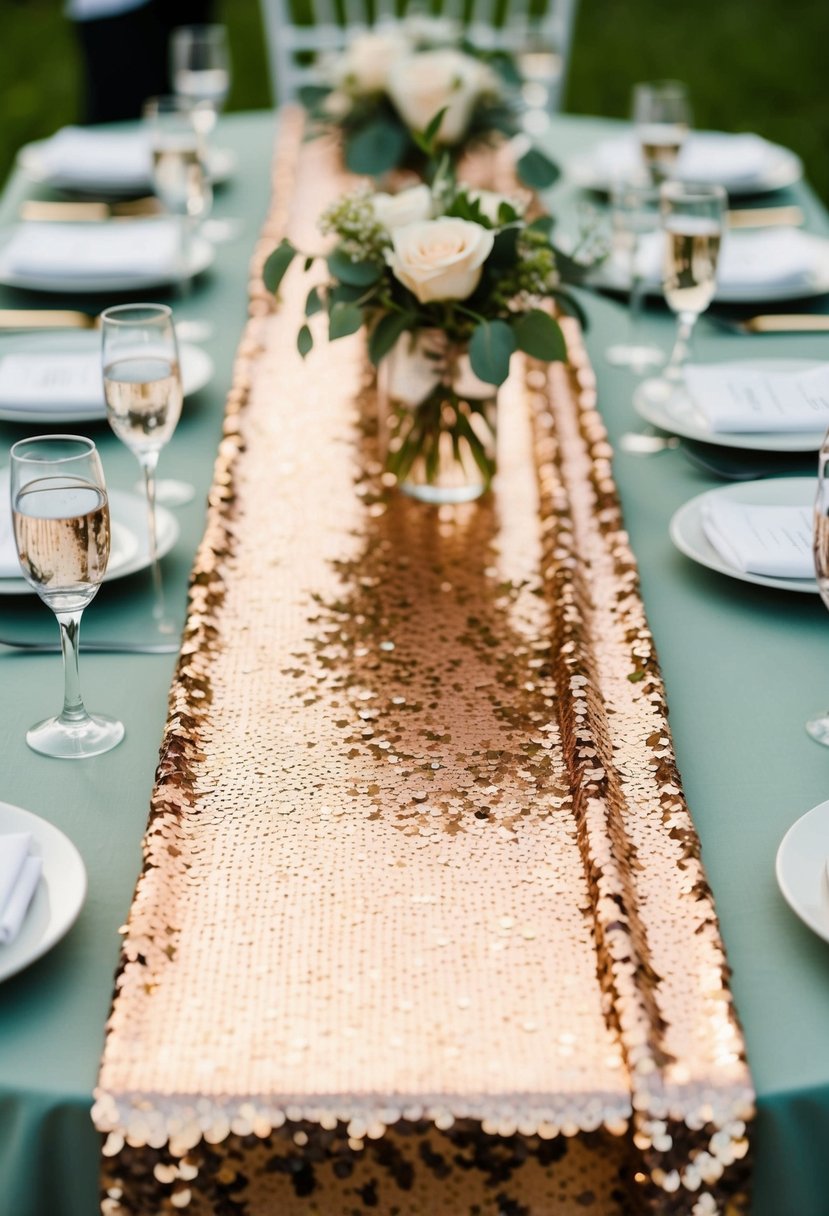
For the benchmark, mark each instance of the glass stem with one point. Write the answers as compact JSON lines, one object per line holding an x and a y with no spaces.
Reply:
{"x":149,"y":463}
{"x":74,"y":710}
{"x":682,"y":345}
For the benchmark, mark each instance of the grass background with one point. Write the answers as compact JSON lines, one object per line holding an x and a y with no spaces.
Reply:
{"x":752,"y":65}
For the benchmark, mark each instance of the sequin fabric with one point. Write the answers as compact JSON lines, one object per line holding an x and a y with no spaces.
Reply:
{"x":422,"y":924}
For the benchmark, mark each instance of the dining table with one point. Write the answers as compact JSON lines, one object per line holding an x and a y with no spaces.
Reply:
{"x":744,"y":665}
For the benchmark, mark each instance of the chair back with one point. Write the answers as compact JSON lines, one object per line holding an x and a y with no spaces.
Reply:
{"x":298,"y":33}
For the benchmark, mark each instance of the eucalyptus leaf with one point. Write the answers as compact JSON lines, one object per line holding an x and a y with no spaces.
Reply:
{"x":386,"y":332}
{"x":344,"y":319}
{"x":538,"y":335}
{"x":376,"y":147}
{"x":304,"y":340}
{"x":355,"y":274}
{"x":543,"y":224}
{"x":344,"y":293}
{"x":568,"y":303}
{"x":425,"y":139}
{"x":537,"y":170}
{"x":273,"y":272}
{"x":313,"y":303}
{"x":504,"y":249}
{"x":490,"y":349}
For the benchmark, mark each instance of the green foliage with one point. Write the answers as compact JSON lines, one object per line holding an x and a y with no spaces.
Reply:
{"x":344,"y":319}
{"x":277,"y":265}
{"x":490,"y":350}
{"x":376,"y":148}
{"x":538,"y":335}
{"x":536,"y":170}
{"x":386,"y":332}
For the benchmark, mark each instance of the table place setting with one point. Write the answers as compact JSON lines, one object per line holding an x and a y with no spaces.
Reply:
{"x":43,"y":886}
{"x":100,"y":257}
{"x":773,"y":405}
{"x":742,"y":163}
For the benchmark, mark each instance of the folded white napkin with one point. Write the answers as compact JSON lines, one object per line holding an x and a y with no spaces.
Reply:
{"x":748,"y":399}
{"x":768,"y":540}
{"x":773,"y":258}
{"x":706,"y":156}
{"x":9,"y":564}
{"x":134,"y":247}
{"x":40,"y":381}
{"x":86,"y":156}
{"x":19,"y":876}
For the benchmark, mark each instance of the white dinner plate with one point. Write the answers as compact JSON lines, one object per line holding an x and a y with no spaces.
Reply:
{"x":613,"y":275}
{"x":58,"y":897}
{"x":129,"y":550}
{"x":31,"y":161}
{"x":687,"y":532}
{"x":201,"y":255}
{"x":782,"y":169}
{"x":801,"y":869}
{"x":196,"y":372}
{"x":670,"y":407}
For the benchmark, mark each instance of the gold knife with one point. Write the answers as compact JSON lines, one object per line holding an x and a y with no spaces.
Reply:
{"x":765,"y":217}
{"x":784,"y":323}
{"x":88,"y":212}
{"x":46,"y":318}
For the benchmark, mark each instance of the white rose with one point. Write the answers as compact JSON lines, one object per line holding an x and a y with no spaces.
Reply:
{"x":424,"y":83}
{"x":440,"y":259}
{"x":365,"y":65}
{"x":490,"y":203}
{"x":407,"y":207}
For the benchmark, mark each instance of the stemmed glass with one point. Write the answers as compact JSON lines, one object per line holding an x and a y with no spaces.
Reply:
{"x":662,"y":119}
{"x":62,"y":532}
{"x":200,"y":72}
{"x":540,"y":66}
{"x":180,"y":177}
{"x":693,"y":218}
{"x":634,"y":212}
{"x":142,"y":388}
{"x":818,"y":726}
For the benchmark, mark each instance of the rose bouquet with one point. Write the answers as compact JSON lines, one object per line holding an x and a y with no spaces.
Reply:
{"x":404,"y":91}
{"x":448,"y":283}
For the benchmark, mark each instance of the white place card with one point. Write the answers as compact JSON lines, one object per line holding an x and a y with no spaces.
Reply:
{"x":47,"y":381}
{"x":19,"y":876}
{"x":769,"y":540}
{"x":745,"y":399}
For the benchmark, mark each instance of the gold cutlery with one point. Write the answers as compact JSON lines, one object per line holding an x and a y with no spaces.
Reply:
{"x":765,"y":217}
{"x":45,"y":318}
{"x":777,"y":323}
{"x":88,"y":212}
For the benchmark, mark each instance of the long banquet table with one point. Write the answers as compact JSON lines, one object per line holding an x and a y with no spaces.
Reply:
{"x":743,"y":668}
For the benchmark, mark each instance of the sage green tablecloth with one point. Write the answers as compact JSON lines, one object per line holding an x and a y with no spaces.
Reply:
{"x":743,"y":667}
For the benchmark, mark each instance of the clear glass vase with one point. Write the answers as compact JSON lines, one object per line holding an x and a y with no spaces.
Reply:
{"x":437,"y":419}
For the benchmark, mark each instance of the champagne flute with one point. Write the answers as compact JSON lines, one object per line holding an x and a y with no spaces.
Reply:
{"x":634,"y":212}
{"x":662,"y":117}
{"x":200,"y":72}
{"x":142,"y":388}
{"x":180,"y":177}
{"x":60,"y":511}
{"x":818,"y":725}
{"x":693,"y":218}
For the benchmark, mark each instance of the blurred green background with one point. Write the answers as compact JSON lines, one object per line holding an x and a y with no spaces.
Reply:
{"x":757,"y":65}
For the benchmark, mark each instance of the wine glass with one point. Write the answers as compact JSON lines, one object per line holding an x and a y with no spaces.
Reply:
{"x":540,"y":66}
{"x":60,"y":511}
{"x":142,"y":388}
{"x":200,"y":72}
{"x":818,"y":726}
{"x":180,"y":177}
{"x":662,"y":118}
{"x":634,"y":212}
{"x":693,"y":218}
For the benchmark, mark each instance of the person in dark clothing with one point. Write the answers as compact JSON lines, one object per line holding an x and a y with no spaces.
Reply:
{"x":125,"y":51}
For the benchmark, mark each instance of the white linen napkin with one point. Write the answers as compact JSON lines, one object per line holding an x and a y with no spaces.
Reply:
{"x":115,"y":250}
{"x":40,"y":381}
{"x":706,"y":156}
{"x":9,"y":564}
{"x":748,"y":399}
{"x":775,"y":258}
{"x":86,"y":156}
{"x":768,"y":540}
{"x":19,"y":875}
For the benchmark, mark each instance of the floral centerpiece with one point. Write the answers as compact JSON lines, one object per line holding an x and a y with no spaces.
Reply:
{"x":449,"y":282}
{"x":392,"y":82}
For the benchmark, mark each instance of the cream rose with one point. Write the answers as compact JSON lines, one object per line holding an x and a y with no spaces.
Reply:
{"x":365,"y":65}
{"x":407,"y":207}
{"x":440,"y":259}
{"x":424,"y":83}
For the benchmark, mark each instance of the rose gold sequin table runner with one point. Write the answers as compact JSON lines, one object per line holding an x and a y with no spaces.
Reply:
{"x":422,"y":925}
